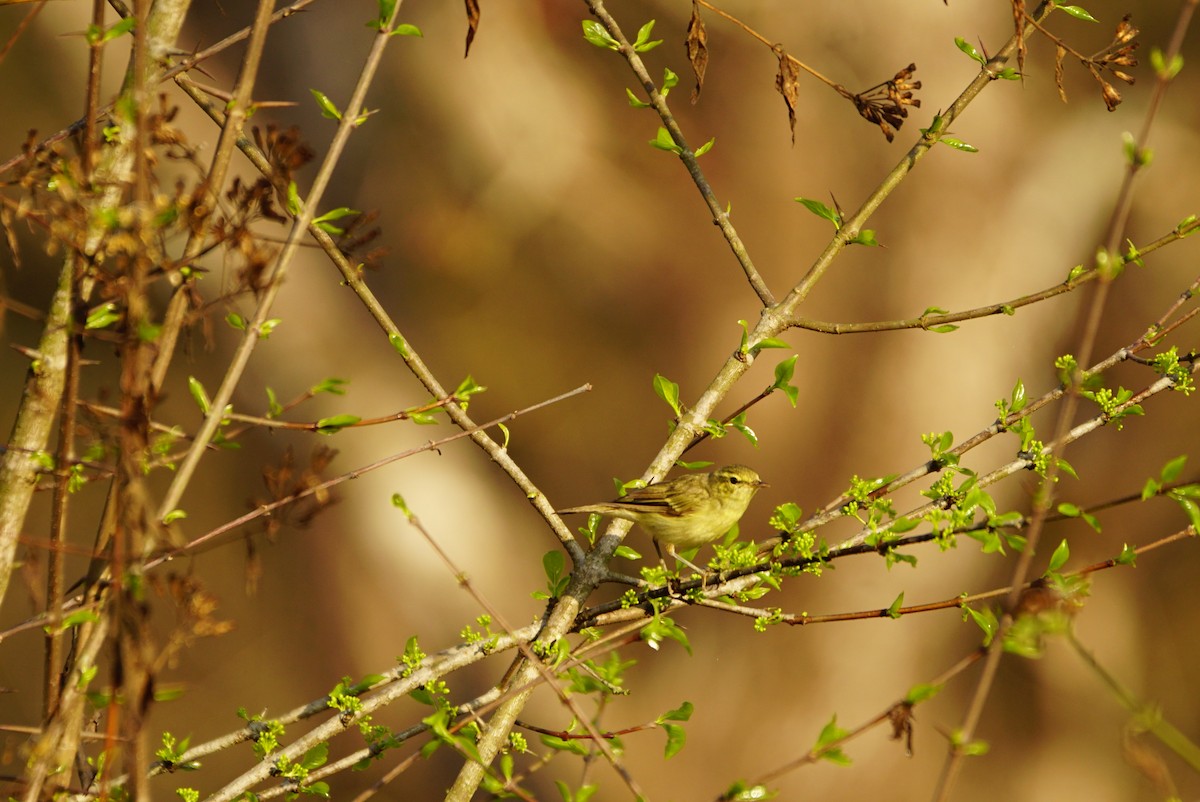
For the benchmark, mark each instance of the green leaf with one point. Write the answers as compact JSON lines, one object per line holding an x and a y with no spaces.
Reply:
{"x":831,"y":733}
{"x":643,"y":43}
{"x":407,"y":29}
{"x":681,"y":713}
{"x":594,"y":32}
{"x":922,"y":692}
{"x":1078,"y":13}
{"x":315,"y":758}
{"x":986,"y":620}
{"x":1128,"y":556}
{"x":325,"y":221}
{"x":1170,"y":471}
{"x":676,"y":738}
{"x":739,"y":424}
{"x":783,"y":377}
{"x":293,"y":199}
{"x":331,"y":385}
{"x":893,"y":610}
{"x":102,"y":316}
{"x":822,"y":211}
{"x":326,"y":105}
{"x":668,"y":391}
{"x":553,"y":562}
{"x":119,"y":29}
{"x":968,"y":48}
{"x":627,"y":553}
{"x":663,"y":141}
{"x":706,"y":147}
{"x":1060,"y":557}
{"x":1165,"y":71}
{"x":1017,"y":400}
{"x":386,"y":9}
{"x":336,"y":423}
{"x":199,"y":395}
{"x":943,"y":329}
{"x":958,"y":144}
{"x":865,"y":237}
{"x":633,"y":100}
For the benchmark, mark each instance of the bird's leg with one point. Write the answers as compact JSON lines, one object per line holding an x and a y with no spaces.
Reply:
{"x":674,"y":582}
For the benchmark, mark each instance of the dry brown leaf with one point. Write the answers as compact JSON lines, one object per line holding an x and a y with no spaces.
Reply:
{"x":1059,"y":55}
{"x":697,"y":48}
{"x":787,"y":83}
{"x":472,"y":24}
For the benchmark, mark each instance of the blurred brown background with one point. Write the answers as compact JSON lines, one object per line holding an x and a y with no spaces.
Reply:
{"x":537,"y":242}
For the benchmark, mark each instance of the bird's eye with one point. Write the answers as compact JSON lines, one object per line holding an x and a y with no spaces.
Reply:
{"x":733,"y":480}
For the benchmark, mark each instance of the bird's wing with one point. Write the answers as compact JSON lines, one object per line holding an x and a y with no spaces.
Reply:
{"x":664,"y":497}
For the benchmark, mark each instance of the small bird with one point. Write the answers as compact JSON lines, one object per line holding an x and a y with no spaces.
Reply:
{"x":686,"y":512}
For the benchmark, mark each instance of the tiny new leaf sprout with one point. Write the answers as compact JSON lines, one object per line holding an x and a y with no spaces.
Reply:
{"x":922,"y":692}
{"x":325,"y":221}
{"x":400,"y":344}
{"x":335,"y":423}
{"x":826,"y":749}
{"x":1136,"y":156}
{"x":1169,"y":473}
{"x":663,"y":141}
{"x":783,"y":379}
{"x":893,"y":610}
{"x":274,"y":408}
{"x":399,"y":503}
{"x":958,"y":144}
{"x":661,"y":628}
{"x":1075,"y":511}
{"x":294,"y":205}
{"x":822,"y":211}
{"x":102,"y":316}
{"x":643,"y":42}
{"x":199,"y":395}
{"x":945,"y":328}
{"x":1163,"y":70}
{"x":553,"y":562}
{"x":670,"y":81}
{"x":864,"y":237}
{"x":386,"y":9}
{"x":1132,"y":254}
{"x":970,"y":49}
{"x":467,"y":388}
{"x":668,"y":391}
{"x":268,"y":326}
{"x":1077,"y":13}
{"x":1128,"y":556}
{"x":96,"y":35}
{"x":328,"y":109}
{"x":1015,"y":403}
{"x":174,"y":515}
{"x":236,"y":321}
{"x":738,"y":423}
{"x":594,"y":32}
{"x":766,"y":342}
{"x":1059,"y":558}
{"x":676,"y":735}
{"x":171,"y":753}
{"x":985,"y":619}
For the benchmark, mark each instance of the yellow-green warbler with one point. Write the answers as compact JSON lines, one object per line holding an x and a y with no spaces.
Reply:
{"x":686,"y":512}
